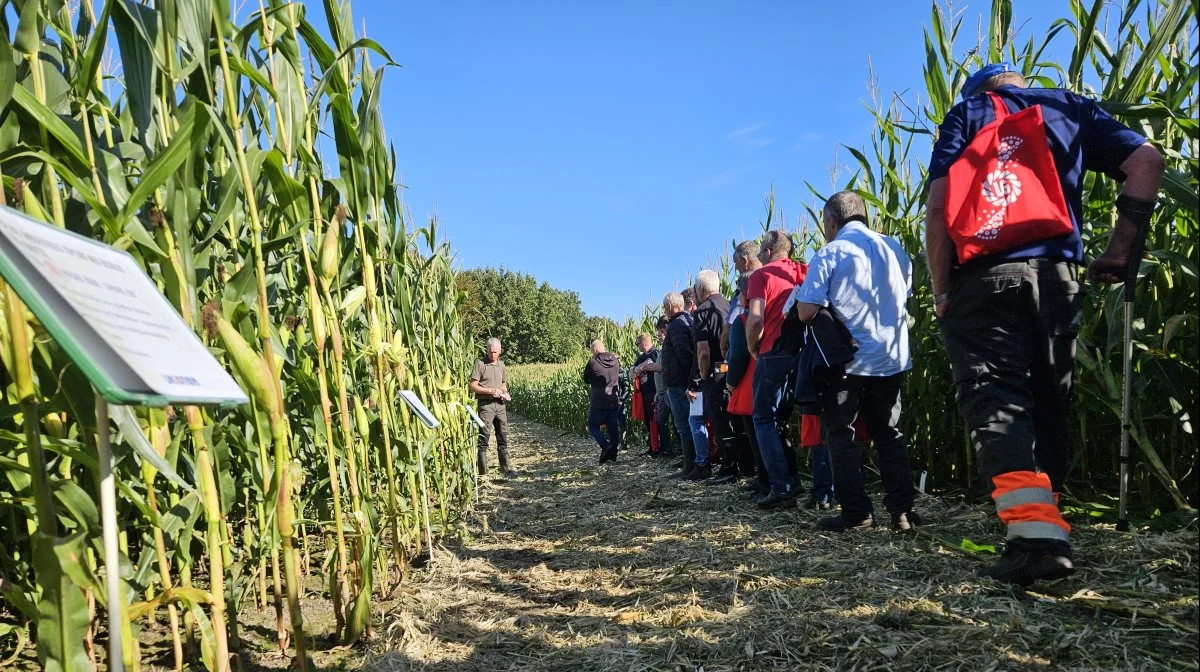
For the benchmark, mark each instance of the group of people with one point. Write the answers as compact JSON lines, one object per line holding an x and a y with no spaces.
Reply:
{"x":830,"y":338}
{"x":1004,"y":254}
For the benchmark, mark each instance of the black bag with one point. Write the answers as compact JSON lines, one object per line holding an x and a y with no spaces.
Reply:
{"x":791,"y":334}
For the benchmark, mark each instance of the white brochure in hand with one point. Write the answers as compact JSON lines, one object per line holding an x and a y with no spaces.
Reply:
{"x":697,"y":407}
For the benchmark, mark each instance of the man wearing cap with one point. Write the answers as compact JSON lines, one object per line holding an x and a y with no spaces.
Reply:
{"x":1010,"y":313}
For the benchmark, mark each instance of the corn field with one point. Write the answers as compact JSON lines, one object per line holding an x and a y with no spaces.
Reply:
{"x":1144,"y":71}
{"x":246,"y":167}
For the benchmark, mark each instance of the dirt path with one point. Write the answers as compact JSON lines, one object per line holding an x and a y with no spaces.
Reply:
{"x":582,"y":567}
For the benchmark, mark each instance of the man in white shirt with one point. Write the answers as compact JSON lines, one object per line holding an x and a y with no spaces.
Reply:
{"x":865,"y":280}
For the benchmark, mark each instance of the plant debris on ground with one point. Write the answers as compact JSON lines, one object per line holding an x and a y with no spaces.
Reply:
{"x":578,"y":566}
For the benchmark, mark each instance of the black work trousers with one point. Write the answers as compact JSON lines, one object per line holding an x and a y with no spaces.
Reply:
{"x":877,"y":399}
{"x":1010,"y":336}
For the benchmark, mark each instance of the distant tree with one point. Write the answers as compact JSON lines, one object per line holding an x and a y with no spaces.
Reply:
{"x":598,"y":326}
{"x":536,"y":323}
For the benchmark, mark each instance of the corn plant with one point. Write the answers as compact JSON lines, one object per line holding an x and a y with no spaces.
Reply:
{"x":294,"y":258}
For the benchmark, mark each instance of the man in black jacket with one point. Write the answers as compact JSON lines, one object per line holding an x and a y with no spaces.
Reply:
{"x":710,"y":376}
{"x":602,"y":374}
{"x":678,"y":356}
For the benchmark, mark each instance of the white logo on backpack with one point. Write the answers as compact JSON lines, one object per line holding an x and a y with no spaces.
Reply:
{"x":1001,"y":188}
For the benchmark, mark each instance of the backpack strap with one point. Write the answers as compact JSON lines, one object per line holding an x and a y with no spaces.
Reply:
{"x":998,"y":106}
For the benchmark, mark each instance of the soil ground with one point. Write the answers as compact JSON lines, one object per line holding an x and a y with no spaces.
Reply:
{"x":577,"y":566}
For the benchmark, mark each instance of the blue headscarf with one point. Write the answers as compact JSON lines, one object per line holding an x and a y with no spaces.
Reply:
{"x":971,"y":86}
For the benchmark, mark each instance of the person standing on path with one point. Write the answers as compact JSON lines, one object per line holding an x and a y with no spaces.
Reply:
{"x":677,"y":358}
{"x":767,"y":291}
{"x":1008,"y":294}
{"x":489,"y":384}
{"x":710,"y":372}
{"x":647,"y":380}
{"x":865,"y":280}
{"x":602,"y":375}
{"x":662,"y":408}
{"x":740,"y":376}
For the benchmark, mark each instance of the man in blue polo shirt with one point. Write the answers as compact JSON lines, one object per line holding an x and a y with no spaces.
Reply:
{"x":1009,"y":318}
{"x":865,"y":279}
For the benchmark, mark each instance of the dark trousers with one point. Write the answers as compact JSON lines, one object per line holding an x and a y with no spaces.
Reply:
{"x":1010,"y":336}
{"x":677,"y":399}
{"x":610,"y":418}
{"x":760,"y":469}
{"x":495,"y":418}
{"x":662,"y":416}
{"x":774,"y":399}
{"x":877,"y":399}
{"x":822,"y":469}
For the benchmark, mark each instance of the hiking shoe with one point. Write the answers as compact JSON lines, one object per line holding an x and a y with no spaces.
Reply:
{"x":903,"y":522}
{"x":774,"y":501}
{"x":680,"y":475}
{"x":839,"y":524}
{"x":815,"y":504}
{"x":1023,"y":568}
{"x":720,"y":479}
{"x":509,"y":472}
{"x":699,"y":473}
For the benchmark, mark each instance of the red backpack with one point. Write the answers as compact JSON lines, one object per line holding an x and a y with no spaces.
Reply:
{"x":1004,"y":191}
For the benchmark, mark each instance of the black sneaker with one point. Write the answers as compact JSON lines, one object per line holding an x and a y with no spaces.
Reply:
{"x":774,"y":501}
{"x":818,"y":504}
{"x":839,"y":524}
{"x":1023,"y":567}
{"x":722,"y":479}
{"x":699,"y":473}
{"x":903,"y":522}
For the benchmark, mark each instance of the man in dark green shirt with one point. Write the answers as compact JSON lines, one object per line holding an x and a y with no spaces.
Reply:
{"x":489,"y":383}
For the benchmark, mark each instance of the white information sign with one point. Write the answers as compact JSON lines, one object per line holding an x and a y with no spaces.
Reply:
{"x":474,"y":417}
{"x":111,"y":297}
{"x":414,"y":402}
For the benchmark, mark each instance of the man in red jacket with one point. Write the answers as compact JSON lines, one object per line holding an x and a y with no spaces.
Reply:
{"x":767,"y":291}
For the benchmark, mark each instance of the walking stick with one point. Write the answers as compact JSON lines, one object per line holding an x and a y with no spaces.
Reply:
{"x":1132,"y":265}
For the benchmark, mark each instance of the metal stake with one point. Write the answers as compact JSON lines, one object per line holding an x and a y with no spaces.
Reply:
{"x":108,"y":519}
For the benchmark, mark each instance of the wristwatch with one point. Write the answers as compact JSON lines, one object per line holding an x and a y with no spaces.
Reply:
{"x":941,"y":298}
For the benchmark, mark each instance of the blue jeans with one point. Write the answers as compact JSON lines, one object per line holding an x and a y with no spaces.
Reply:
{"x":611,"y":417}
{"x":677,"y":398}
{"x":771,"y":373}
{"x":822,"y":489}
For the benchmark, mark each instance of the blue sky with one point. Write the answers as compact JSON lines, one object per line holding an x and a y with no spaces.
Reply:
{"x":614,"y":148}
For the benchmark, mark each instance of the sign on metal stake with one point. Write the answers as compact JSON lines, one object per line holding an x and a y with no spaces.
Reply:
{"x":134,"y":348}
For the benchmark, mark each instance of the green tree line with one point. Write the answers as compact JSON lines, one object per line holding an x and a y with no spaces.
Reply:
{"x":535,"y":321}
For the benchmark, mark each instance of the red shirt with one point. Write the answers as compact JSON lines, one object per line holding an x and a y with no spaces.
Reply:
{"x":773,"y":283}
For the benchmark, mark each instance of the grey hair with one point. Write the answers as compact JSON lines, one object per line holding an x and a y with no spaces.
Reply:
{"x":1003,"y":79}
{"x":493,"y":341}
{"x":845,"y":206}
{"x":777,"y":244}
{"x":708,"y":281}
{"x":746,"y":250}
{"x":673,"y":300}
